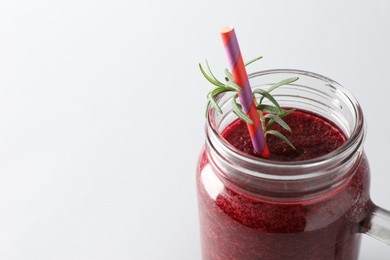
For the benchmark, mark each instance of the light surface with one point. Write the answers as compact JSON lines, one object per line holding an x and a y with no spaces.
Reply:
{"x":102,"y":113}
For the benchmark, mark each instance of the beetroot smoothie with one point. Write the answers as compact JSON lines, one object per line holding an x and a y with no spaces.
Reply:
{"x":248,"y":223}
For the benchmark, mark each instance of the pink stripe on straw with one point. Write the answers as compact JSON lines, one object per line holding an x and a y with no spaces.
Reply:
{"x":238,"y":70}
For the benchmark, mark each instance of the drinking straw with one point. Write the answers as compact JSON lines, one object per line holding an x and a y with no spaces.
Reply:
{"x":237,"y":68}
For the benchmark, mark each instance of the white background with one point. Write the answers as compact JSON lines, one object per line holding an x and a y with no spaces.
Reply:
{"x":102,"y":113}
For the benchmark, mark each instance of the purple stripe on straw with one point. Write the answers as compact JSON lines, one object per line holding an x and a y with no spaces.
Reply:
{"x":246,"y":97}
{"x":258,"y":139}
{"x":232,"y":51}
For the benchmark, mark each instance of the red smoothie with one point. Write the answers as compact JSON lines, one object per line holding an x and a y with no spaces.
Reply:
{"x":242,"y":225}
{"x":311,"y":135}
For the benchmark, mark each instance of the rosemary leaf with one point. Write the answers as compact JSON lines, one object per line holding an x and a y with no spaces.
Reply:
{"x":238,"y":111}
{"x":212,"y":102}
{"x":215,"y":92}
{"x":212,"y":75}
{"x":281,"y":136}
{"x":281,"y":83}
{"x":268,"y":108}
{"x":232,"y":85}
{"x":276,"y":119}
{"x":229,"y":76}
{"x":253,"y":60}
{"x":211,"y":79}
{"x":286,"y":113}
{"x":269,"y":97}
{"x":207,"y":108}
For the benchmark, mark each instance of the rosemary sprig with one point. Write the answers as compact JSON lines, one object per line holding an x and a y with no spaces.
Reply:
{"x":269,"y":114}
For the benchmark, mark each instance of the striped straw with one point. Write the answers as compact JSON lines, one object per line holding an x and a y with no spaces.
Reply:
{"x":237,"y":67}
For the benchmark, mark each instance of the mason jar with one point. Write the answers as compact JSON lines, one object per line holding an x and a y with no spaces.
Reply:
{"x":254,"y":208}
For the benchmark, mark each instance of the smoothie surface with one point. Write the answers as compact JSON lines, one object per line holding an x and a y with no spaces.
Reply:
{"x":311,"y":135}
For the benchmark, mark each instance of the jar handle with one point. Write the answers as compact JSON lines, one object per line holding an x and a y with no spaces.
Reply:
{"x":377,"y":224}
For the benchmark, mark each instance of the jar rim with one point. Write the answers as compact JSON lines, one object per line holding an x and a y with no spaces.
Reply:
{"x":353,"y":142}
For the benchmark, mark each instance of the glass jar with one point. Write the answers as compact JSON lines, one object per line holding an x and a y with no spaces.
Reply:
{"x":252,"y":208}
